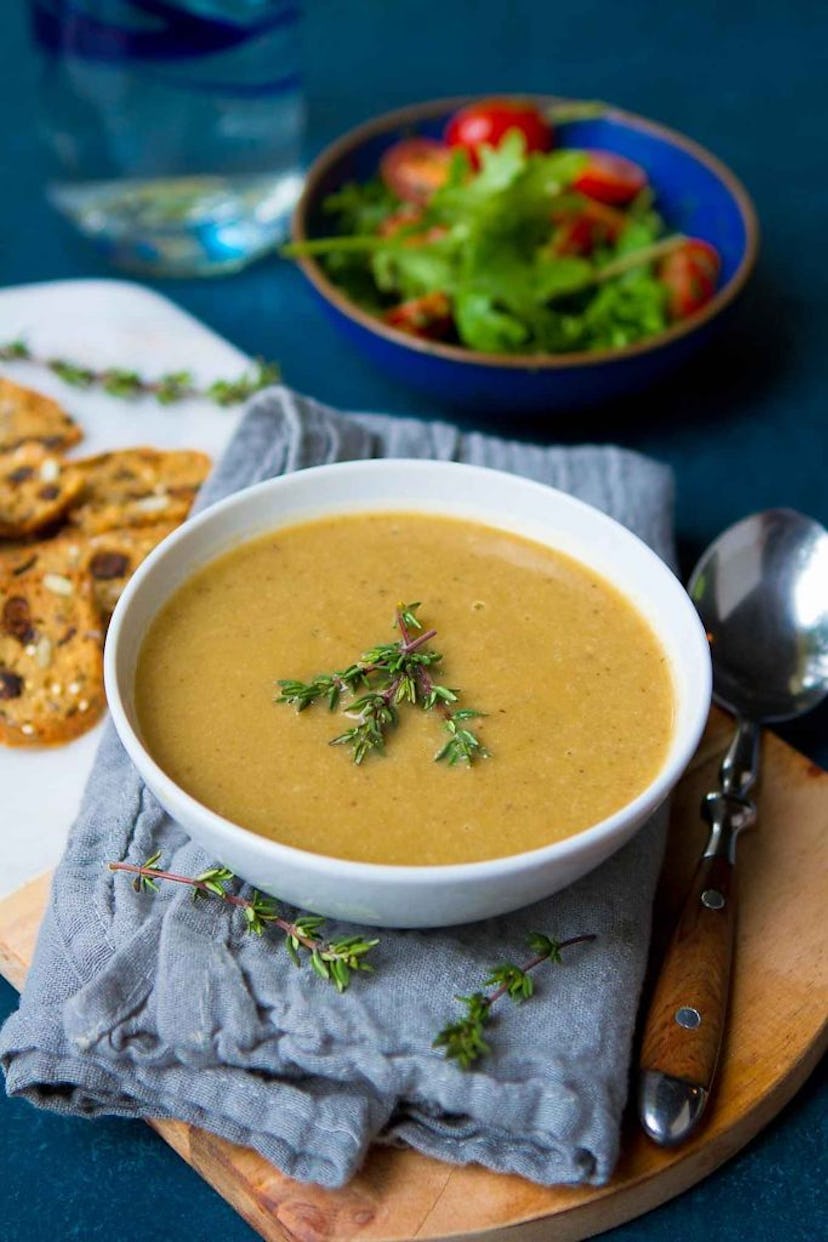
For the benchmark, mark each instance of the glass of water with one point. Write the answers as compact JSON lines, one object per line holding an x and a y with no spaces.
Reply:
{"x":173,"y":127}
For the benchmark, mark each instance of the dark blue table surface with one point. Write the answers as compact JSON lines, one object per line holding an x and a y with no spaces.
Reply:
{"x":744,"y":428}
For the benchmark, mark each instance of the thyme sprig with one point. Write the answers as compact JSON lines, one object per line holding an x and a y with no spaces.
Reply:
{"x":166,"y":389}
{"x":464,"y":1040}
{"x":400,"y":673}
{"x":333,"y":960}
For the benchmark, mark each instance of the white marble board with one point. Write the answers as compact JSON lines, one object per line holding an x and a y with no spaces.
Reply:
{"x":98,"y":323}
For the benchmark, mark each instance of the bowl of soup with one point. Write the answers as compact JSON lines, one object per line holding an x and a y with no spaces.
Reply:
{"x":575,"y":646}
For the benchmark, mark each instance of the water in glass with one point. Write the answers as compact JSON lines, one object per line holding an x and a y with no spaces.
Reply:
{"x":174,"y":129}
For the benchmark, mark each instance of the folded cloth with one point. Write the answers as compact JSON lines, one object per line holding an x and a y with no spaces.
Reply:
{"x":155,"y":1006}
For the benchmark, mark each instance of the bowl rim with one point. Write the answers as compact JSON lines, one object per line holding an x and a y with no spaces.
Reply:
{"x":611,"y":828}
{"x":413,"y":114}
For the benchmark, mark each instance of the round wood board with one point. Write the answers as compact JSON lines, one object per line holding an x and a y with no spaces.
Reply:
{"x":776,"y":1034}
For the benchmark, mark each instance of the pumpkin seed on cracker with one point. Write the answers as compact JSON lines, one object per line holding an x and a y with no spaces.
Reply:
{"x":37,"y":487}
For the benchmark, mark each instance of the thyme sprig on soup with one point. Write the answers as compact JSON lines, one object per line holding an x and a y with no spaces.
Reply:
{"x":576,"y":688}
{"x":391,"y":674}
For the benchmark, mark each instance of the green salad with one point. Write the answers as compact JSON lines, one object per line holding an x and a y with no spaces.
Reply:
{"x":506,"y":246}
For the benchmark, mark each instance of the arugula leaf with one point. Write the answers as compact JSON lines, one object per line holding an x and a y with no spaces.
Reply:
{"x":508,"y":178}
{"x":362,"y":208}
{"x":555,"y":277}
{"x":638,"y":233}
{"x":625,"y":310}
{"x":481,"y":326}
{"x":352,"y":272}
{"x":415,"y":269}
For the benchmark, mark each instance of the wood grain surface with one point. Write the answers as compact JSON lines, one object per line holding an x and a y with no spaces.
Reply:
{"x":776,"y":1033}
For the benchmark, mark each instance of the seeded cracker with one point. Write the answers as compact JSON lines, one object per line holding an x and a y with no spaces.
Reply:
{"x":138,"y":487}
{"x":37,"y":486}
{"x":29,"y":415}
{"x":51,"y":665}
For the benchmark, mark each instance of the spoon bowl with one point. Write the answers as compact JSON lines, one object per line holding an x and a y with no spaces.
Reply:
{"x":761,"y":591}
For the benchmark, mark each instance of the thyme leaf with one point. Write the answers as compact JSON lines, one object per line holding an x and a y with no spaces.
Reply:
{"x":463,"y":1040}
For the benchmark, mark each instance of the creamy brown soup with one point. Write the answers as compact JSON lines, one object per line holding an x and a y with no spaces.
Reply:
{"x":576,"y":689}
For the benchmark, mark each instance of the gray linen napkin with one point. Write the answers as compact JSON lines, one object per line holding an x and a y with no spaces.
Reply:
{"x":154,"y":1006}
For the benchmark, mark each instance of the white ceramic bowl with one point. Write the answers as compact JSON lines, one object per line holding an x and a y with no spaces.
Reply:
{"x":433,"y":896}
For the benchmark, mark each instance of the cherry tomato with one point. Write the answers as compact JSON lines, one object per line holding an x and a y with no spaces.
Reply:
{"x":414,"y":168}
{"x":490,"y":120}
{"x":610,"y":178}
{"x":581,"y":229}
{"x":690,"y":274}
{"x":428,"y":317}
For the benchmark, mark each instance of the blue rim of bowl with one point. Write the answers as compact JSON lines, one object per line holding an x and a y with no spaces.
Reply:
{"x":414,"y":114}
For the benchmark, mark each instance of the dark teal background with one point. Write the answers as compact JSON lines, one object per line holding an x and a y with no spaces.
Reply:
{"x":744,"y":427}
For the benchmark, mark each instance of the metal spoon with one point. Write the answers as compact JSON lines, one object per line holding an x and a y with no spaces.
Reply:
{"x":762,"y":593}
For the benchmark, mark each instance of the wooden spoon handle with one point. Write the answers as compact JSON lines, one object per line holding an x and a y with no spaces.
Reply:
{"x":685,"y":1024}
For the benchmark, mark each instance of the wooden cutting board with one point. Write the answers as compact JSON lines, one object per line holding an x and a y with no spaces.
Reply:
{"x":777,"y":1033}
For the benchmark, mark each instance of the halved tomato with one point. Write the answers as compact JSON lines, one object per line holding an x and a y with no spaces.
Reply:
{"x":414,"y":168}
{"x":428,"y":317}
{"x":488,"y":121}
{"x":582,"y":228}
{"x":610,"y":178}
{"x":690,"y":273}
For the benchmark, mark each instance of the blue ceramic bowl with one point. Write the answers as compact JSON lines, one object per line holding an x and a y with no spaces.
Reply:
{"x":696,"y":194}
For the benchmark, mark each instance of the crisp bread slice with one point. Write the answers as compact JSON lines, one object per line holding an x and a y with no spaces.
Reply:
{"x":51,"y":664}
{"x":29,"y":415}
{"x":138,"y":487}
{"x":37,"y":486}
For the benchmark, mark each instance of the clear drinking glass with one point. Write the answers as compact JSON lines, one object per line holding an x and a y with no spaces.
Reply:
{"x":174,"y":127}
